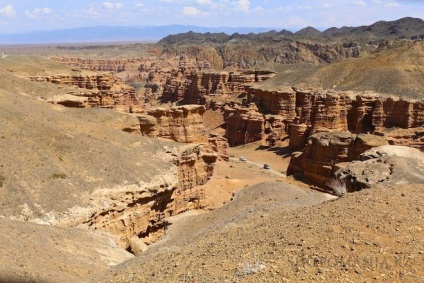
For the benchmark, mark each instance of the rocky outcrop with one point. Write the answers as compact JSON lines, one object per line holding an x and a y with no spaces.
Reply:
{"x":219,"y":145}
{"x":195,"y":167}
{"x":137,"y":214}
{"x":384,"y":164}
{"x":325,"y":153}
{"x":299,"y":133}
{"x":244,"y":125}
{"x":200,"y":87}
{"x":391,"y":113}
{"x":412,"y":137}
{"x":305,"y":112}
{"x":277,"y":102}
{"x":69,"y":100}
{"x":100,"y":90}
{"x":180,"y":123}
{"x":100,"y":65}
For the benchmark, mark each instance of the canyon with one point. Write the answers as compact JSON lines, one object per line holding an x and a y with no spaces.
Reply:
{"x":147,"y":159}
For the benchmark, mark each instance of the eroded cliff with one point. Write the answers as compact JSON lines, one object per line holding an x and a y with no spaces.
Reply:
{"x":92,"y":90}
{"x":305,"y":112}
{"x":180,"y":123}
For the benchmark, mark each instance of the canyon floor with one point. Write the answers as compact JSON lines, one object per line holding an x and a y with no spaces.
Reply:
{"x":274,"y":229}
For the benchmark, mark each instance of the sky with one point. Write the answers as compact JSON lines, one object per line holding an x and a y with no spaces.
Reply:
{"x":19,"y":16}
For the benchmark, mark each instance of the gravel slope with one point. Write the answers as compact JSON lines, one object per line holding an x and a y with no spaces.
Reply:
{"x":274,"y":233}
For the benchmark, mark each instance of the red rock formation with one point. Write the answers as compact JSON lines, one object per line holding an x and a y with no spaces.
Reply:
{"x":360,"y":115}
{"x":220,"y":146}
{"x":101,"y":90}
{"x":181,"y":123}
{"x":389,"y":113}
{"x":199,"y":87}
{"x":325,"y":153}
{"x":298,"y":135}
{"x":278,"y":102}
{"x":330,"y":112}
{"x":323,"y":111}
{"x":136,"y":214}
{"x":244,"y":125}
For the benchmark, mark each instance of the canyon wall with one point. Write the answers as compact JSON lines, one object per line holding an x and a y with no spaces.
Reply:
{"x":327,"y":152}
{"x":305,"y":112}
{"x":180,"y":123}
{"x":136,"y":214}
{"x":96,"y":90}
{"x":243,"y":125}
{"x":199,"y":87}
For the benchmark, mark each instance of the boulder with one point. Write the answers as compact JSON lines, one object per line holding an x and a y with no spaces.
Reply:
{"x":327,"y":152}
{"x":385,"y":164}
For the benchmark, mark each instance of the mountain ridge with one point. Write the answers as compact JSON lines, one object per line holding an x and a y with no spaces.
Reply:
{"x":114,"y":33}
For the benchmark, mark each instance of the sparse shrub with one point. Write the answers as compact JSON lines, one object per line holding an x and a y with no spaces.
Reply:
{"x":250,"y":267}
{"x":2,"y":179}
{"x":58,"y":176}
{"x":338,"y":186}
{"x":26,"y":212}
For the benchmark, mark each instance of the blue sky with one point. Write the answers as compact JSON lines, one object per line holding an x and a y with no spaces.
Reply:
{"x":31,"y":15}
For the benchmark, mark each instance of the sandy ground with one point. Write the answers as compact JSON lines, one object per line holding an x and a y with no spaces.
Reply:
{"x":235,"y":175}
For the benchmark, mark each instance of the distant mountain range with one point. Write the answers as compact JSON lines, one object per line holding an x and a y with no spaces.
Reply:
{"x":405,"y":28}
{"x":116,"y":33}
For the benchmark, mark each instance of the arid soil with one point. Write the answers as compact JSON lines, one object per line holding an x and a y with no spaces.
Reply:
{"x":274,"y":232}
{"x":236,"y":175}
{"x":178,"y":212}
{"x":41,"y":253}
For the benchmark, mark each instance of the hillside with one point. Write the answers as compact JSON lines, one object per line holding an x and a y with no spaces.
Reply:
{"x":398,"y":71}
{"x":308,"y":45}
{"x":27,"y":250}
{"x":273,"y":232}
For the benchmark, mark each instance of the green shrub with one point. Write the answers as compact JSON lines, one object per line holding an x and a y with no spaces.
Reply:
{"x":58,"y":176}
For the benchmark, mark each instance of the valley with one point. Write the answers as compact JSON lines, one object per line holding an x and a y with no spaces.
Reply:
{"x":270,"y":157}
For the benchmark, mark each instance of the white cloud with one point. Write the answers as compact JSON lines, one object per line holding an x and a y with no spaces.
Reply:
{"x":258,"y":9}
{"x":173,"y":1}
{"x":205,"y":2}
{"x":327,"y":5}
{"x":392,"y":5}
{"x":139,"y":5}
{"x":192,"y":11}
{"x":360,"y":3}
{"x":387,"y":3}
{"x":8,"y":12}
{"x":243,"y":5}
{"x":112,"y":6}
{"x":304,"y":7}
{"x":38,"y":13}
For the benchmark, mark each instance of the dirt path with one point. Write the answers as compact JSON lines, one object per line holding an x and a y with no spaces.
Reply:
{"x":260,"y":166}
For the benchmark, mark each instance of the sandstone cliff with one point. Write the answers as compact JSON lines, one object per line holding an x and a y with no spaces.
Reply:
{"x":57,"y":173}
{"x":201,"y":87}
{"x":136,"y":214}
{"x":244,"y":125}
{"x":181,"y":123}
{"x":304,"y":112}
{"x":325,"y":153}
{"x":97,"y":90}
